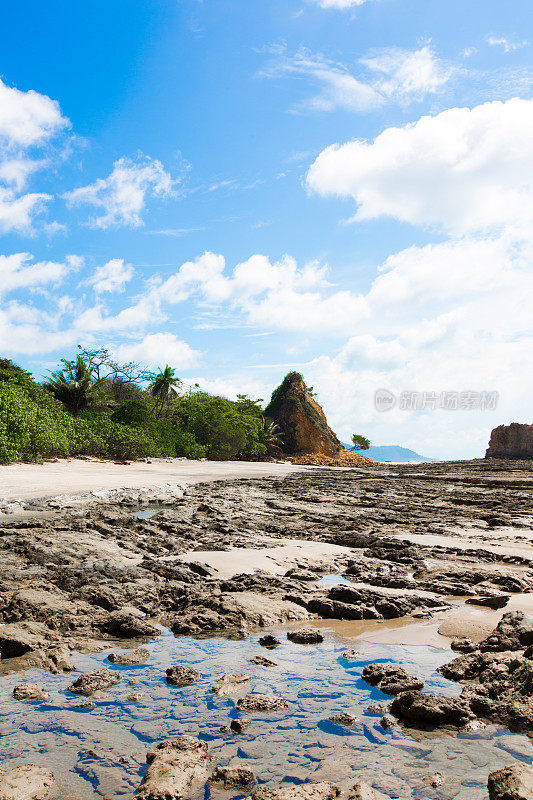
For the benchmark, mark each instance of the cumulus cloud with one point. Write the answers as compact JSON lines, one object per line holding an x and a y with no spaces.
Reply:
{"x":28,"y":118}
{"x":112,"y":276}
{"x":392,"y":75}
{"x":157,"y":349}
{"x":18,"y":271}
{"x":28,"y":121}
{"x":122,"y":195}
{"x":463,"y":170}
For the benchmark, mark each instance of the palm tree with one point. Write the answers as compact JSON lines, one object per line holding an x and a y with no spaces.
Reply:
{"x":163,"y":386}
{"x":75,"y":385}
{"x":270,"y":433}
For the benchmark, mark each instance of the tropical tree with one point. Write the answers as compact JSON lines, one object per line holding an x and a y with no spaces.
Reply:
{"x":270,"y":433}
{"x":163,"y":386}
{"x":360,"y":442}
{"x":75,"y":385}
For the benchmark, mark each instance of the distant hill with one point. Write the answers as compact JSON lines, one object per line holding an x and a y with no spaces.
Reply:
{"x":391,"y":452}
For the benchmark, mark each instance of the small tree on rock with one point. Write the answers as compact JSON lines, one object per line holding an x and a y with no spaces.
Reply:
{"x":360,"y":442}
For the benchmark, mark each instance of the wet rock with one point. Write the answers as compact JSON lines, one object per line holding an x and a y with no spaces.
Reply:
{"x":269,"y":641}
{"x":236,"y":777}
{"x":30,"y":691}
{"x":387,"y":722}
{"x":131,"y":658}
{"x":463,"y":645}
{"x":495,"y":602}
{"x":474,"y":725}
{"x":53,"y":659}
{"x":96,"y":680}
{"x":432,"y":710}
{"x":262,"y":702}
{"x":26,"y":783}
{"x":229,"y":684}
{"x":363,"y":791}
{"x":262,"y":661}
{"x":390,"y":678}
{"x":305,"y":791}
{"x":175,"y":766}
{"x":472,"y":665}
{"x":511,"y":783}
{"x":85,"y":705}
{"x":181,"y":676}
{"x":238,"y":726}
{"x":134,"y":697}
{"x":125,"y":625}
{"x":513,"y":632}
{"x":305,"y":636}
{"x":352,"y":655}
{"x":376,"y":708}
{"x":343,"y":719}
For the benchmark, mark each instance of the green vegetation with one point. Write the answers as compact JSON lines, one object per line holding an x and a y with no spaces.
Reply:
{"x":360,"y":442}
{"x":93,"y":406}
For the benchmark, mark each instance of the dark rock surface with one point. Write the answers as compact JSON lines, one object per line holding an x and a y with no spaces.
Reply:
{"x":390,"y":678}
{"x":513,"y":441}
{"x":305,"y":636}
{"x":181,"y":676}
{"x":236,"y":777}
{"x":131,"y":658}
{"x":511,"y":783}
{"x":262,"y":702}
{"x":96,"y":680}
{"x":431,"y":710}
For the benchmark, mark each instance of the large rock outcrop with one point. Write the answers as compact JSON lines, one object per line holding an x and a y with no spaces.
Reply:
{"x":302,"y":423}
{"x":511,"y":441}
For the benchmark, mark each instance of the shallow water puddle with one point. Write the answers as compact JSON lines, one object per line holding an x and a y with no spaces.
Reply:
{"x":101,"y":753}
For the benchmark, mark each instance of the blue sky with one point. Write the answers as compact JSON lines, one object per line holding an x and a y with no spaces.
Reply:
{"x":241,"y":188}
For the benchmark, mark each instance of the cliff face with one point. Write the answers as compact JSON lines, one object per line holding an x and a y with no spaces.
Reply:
{"x":302,"y":423}
{"x":511,"y":441}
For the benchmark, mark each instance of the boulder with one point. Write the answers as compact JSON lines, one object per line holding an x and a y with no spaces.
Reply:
{"x":262,"y":661}
{"x":237,"y":777}
{"x":513,"y":632}
{"x":390,"y":678}
{"x":494,"y":601}
{"x":16,"y":641}
{"x":30,"y":691}
{"x":513,"y":441}
{"x":125,"y":625}
{"x":269,"y":641}
{"x":181,"y":676}
{"x":96,"y":680}
{"x":305,"y":636}
{"x":238,"y":726}
{"x":262,"y":702}
{"x":511,"y":783}
{"x":131,"y":658}
{"x":431,"y":709}
{"x":343,"y":719}
{"x":229,"y":684}
{"x":175,"y":766}
{"x":53,"y":659}
{"x":301,"y":421}
{"x":305,"y":791}
{"x":26,"y":783}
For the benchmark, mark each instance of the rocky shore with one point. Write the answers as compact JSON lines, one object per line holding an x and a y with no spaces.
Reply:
{"x":420,"y":542}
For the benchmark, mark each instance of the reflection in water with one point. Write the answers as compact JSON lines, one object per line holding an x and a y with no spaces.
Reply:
{"x":101,"y":753}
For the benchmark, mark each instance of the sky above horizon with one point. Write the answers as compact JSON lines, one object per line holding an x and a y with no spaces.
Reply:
{"x":240,"y":189}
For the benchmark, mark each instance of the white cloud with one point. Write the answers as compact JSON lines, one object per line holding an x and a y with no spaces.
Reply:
{"x":28,"y":118}
{"x":392,"y":75}
{"x":340,"y":3}
{"x":463,"y":170}
{"x":407,"y":74}
{"x":112,"y":277}
{"x":18,"y":272}
{"x":158,"y":349}
{"x":507,"y":45}
{"x":122,"y":195}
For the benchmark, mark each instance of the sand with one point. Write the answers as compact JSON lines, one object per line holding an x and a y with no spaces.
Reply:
{"x":75,"y":476}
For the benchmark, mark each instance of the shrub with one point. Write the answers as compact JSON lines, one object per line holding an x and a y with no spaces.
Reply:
{"x":132,"y":412}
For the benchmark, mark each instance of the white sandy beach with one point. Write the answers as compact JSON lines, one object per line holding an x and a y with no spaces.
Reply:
{"x":75,"y":476}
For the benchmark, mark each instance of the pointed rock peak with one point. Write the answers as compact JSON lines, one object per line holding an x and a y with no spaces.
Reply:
{"x":301,"y":421}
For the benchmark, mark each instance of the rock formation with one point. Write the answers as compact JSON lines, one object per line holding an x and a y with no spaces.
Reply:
{"x":511,"y":441}
{"x":301,"y":421}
